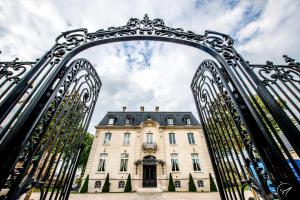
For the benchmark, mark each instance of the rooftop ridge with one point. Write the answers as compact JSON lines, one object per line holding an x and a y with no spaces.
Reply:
{"x":137,"y":117}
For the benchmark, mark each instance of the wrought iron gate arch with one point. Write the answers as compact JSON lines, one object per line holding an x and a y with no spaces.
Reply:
{"x":214,"y":137}
{"x":75,"y":87}
{"x":218,"y":45}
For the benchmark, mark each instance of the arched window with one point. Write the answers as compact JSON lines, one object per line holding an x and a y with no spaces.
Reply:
{"x":98,"y":184}
{"x":200,"y":183}
{"x":177,"y":184}
{"x":121,"y":184}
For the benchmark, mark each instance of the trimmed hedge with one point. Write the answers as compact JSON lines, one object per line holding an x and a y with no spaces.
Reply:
{"x":213,"y":187}
{"x":106,"y":184}
{"x":128,"y":187}
{"x":192,"y":187}
{"x":171,"y":187}
{"x":84,"y":188}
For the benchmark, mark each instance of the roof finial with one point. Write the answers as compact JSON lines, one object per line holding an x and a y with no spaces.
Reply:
{"x":146,"y":18}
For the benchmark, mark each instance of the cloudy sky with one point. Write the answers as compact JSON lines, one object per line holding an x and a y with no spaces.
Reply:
{"x":150,"y":73}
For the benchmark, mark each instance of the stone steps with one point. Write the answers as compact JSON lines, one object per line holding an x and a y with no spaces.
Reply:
{"x":148,"y":190}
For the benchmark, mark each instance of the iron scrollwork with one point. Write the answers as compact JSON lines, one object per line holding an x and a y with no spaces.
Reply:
{"x":69,"y":109}
{"x":213,"y":94}
{"x":234,"y":69}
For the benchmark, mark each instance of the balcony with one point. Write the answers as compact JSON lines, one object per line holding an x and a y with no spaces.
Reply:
{"x":149,"y":147}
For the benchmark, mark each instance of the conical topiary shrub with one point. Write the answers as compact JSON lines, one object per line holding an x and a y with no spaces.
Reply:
{"x":128,"y":187}
{"x":192,"y":187}
{"x":84,"y":188}
{"x":213,"y":187}
{"x":171,"y":187}
{"x":106,"y":184}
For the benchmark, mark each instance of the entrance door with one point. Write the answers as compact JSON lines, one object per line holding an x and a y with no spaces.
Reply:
{"x":149,"y":176}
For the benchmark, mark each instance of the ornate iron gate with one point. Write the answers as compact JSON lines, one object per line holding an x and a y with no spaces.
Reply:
{"x":43,"y":127}
{"x":247,"y":146}
{"x":239,"y":114}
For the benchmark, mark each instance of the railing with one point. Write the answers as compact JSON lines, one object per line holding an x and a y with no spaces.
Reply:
{"x":149,"y":146}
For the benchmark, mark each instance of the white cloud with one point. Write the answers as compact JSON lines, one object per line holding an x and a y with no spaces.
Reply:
{"x":264,"y":30}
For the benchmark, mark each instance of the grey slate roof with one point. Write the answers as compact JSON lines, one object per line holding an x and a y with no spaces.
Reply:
{"x":139,"y":117}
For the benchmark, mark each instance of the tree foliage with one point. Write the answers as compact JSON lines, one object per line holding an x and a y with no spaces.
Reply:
{"x":84,"y":188}
{"x":192,"y":186}
{"x":128,"y":187}
{"x":213,"y":187}
{"x":106,"y":185}
{"x":171,"y":187}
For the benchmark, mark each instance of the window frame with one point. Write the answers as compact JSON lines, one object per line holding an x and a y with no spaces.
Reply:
{"x":196,"y":162}
{"x":172,"y":138}
{"x":124,"y":162}
{"x":102,"y":166}
{"x":149,"y":140}
{"x":128,"y":119}
{"x":191,"y":139}
{"x":200,"y":183}
{"x":188,"y":121}
{"x":123,"y":184}
{"x":96,"y":185}
{"x":107,"y":139}
{"x":113,"y":118}
{"x":177,"y":184}
{"x":174,"y":162}
{"x":172,"y":120}
{"x":126,"y":138}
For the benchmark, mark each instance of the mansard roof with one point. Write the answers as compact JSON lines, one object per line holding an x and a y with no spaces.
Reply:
{"x":139,"y":117}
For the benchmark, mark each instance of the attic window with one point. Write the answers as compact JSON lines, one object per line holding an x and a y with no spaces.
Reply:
{"x":128,"y":120}
{"x":187,"y":120}
{"x":111,"y":120}
{"x":170,"y":120}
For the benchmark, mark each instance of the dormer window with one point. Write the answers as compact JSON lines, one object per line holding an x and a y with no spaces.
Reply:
{"x":187,"y":120}
{"x":111,"y":120}
{"x":170,"y":120}
{"x":128,"y":120}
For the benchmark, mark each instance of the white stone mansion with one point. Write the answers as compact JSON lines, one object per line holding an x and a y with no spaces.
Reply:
{"x":149,"y":146}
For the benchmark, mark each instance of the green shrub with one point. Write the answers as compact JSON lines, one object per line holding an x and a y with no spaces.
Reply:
{"x":192,"y":187}
{"x":106,"y":184}
{"x":171,"y":187}
{"x":128,"y":187}
{"x":213,"y":187}
{"x":84,"y":188}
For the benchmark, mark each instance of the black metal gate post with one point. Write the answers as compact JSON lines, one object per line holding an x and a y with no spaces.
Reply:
{"x":221,"y":105}
{"x":68,"y":100}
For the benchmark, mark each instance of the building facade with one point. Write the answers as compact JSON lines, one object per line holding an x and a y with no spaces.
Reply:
{"x":148,"y":146}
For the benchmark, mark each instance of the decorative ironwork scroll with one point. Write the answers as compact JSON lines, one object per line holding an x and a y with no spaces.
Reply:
{"x":230,"y":132}
{"x":48,"y":156}
{"x":251,"y":97}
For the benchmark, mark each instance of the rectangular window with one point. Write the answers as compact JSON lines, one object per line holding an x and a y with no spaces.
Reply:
{"x":174,"y":162}
{"x":124,"y":162}
{"x":170,"y":121}
{"x":107,"y":138}
{"x":102,"y":162}
{"x":128,"y":120}
{"x":149,"y":139}
{"x":111,"y":121}
{"x":188,"y":121}
{"x":191,"y":138}
{"x":172,"y":138}
{"x":195,"y":161}
{"x":126,"y":139}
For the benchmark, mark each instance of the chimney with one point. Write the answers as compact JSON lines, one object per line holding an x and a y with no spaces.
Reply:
{"x":124,"y":108}
{"x":156,"y":108}
{"x":142,"y":108}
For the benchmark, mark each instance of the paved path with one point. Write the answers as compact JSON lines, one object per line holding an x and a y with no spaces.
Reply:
{"x":141,"y":196}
